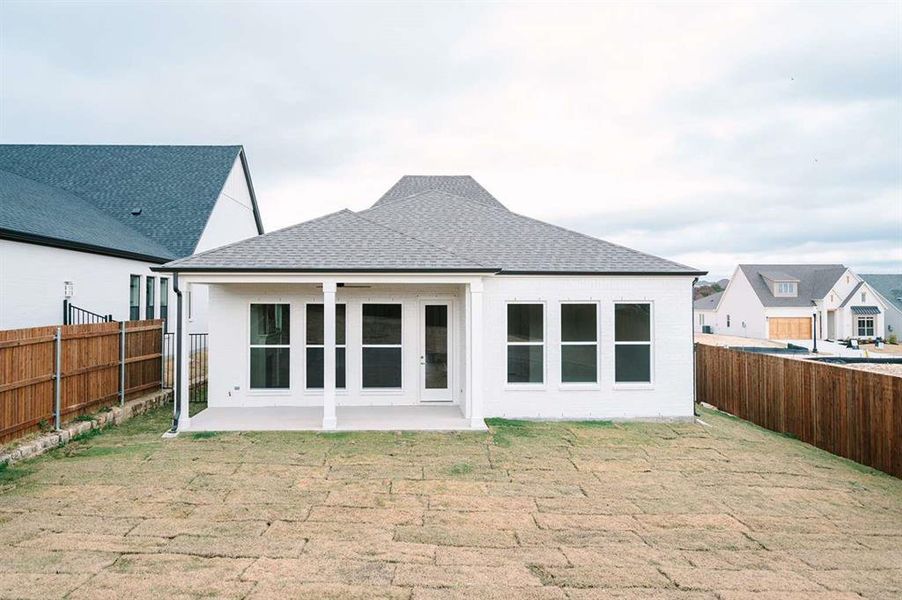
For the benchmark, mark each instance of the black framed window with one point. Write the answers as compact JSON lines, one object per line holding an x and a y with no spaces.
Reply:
{"x":164,"y":301}
{"x":150,"y":297}
{"x":525,"y":343}
{"x":134,"y":298}
{"x":381,"y":348}
{"x":270,"y":346}
{"x":632,"y":343}
{"x":579,"y":343}
{"x":315,"y":344}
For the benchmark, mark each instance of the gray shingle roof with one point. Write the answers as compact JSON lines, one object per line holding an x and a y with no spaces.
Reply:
{"x":341,"y":241}
{"x":851,"y":294}
{"x":175,"y":187}
{"x":887,"y":285}
{"x":815,"y":281}
{"x":458,"y":185}
{"x":430,"y":230}
{"x":709,"y":302}
{"x":35,"y":209}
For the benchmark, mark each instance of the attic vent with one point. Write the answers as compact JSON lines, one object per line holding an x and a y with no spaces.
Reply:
{"x":136,"y":211}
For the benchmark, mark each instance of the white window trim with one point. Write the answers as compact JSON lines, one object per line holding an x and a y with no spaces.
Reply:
{"x":873,"y":327}
{"x":319,"y":391}
{"x":154,"y":282}
{"x":634,"y":385}
{"x":379,"y":390}
{"x":252,"y":391}
{"x":522,"y":385}
{"x":140,"y":293}
{"x":580,"y":385}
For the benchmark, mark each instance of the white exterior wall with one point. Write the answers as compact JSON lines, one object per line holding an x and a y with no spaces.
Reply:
{"x":669,"y":395}
{"x":741,"y":303}
{"x":704,"y":317}
{"x":32,"y":279}
{"x":892,"y":322}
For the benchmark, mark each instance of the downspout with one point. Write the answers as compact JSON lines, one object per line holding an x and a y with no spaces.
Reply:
{"x":177,"y":384}
{"x":692,"y":323}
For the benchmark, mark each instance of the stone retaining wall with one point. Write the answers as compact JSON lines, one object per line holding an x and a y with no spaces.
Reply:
{"x":115,"y":416}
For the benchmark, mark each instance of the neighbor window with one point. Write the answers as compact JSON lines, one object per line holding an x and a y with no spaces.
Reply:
{"x":381,"y":348}
{"x":164,"y":300}
{"x":150,"y":298}
{"x":632,"y":343}
{"x":579,"y":343}
{"x":270,"y":346}
{"x":728,"y":320}
{"x":315,"y":342}
{"x":786,"y":288}
{"x":525,"y":343}
{"x":865,"y":326}
{"x":864,"y":297}
{"x":134,"y":298}
{"x":701,"y":319}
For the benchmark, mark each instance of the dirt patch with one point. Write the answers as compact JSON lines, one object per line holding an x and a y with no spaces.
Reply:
{"x":527,"y":510}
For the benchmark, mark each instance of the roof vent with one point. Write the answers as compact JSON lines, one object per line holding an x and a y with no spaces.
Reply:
{"x":136,"y":211}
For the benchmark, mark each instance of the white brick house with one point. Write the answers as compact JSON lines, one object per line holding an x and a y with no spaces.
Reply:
{"x":433,"y":309}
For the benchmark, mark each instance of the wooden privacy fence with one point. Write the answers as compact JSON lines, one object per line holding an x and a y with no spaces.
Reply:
{"x":852,"y":413}
{"x":99,"y":364}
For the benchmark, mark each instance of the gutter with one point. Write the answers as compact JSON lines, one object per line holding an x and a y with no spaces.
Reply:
{"x":41,"y":240}
{"x":692,"y":329}
{"x":177,"y":384}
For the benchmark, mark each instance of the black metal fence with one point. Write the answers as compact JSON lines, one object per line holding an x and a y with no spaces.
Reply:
{"x":75,"y":315}
{"x":197,"y":365}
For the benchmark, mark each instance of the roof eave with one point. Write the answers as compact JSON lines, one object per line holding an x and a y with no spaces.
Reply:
{"x":177,"y":269}
{"x":608,"y":273}
{"x":40,"y":240}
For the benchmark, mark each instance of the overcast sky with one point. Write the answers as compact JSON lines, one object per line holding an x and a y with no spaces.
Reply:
{"x":709,"y":134}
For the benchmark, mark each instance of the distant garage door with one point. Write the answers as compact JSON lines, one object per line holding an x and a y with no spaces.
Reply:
{"x":790,"y":328}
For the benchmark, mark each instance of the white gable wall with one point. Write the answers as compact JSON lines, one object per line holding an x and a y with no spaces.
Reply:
{"x":741,"y":303}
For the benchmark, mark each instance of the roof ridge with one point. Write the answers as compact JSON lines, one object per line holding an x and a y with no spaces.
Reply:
{"x":445,"y":250}
{"x":437,"y":191}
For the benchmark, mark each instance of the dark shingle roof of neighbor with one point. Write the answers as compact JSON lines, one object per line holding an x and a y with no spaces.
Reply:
{"x":709,"y":302}
{"x":430,"y":230}
{"x":458,"y":185}
{"x":35,"y":209}
{"x":175,"y":187}
{"x":814,"y":282}
{"x":888,"y":285}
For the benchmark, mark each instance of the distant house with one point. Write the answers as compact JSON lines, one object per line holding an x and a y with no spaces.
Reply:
{"x":86,"y":224}
{"x":706,"y":312}
{"x":783,"y":302}
{"x":436,"y":307}
{"x":889,"y":287}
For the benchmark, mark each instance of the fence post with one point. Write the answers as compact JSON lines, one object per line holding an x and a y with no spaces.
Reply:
{"x":58,"y":360}
{"x":121,"y":363}
{"x":162,"y":356}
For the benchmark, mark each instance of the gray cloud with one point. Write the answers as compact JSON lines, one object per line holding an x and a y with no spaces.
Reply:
{"x":708,"y":135}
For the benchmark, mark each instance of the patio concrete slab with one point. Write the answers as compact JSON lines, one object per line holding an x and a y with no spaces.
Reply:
{"x":350,"y":418}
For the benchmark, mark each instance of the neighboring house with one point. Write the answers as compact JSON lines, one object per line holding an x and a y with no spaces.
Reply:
{"x":706,"y":313}
{"x":86,"y":224}
{"x":781,"y":302}
{"x":889,"y":287}
{"x":436,"y":307}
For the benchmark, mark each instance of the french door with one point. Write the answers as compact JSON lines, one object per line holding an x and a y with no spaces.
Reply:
{"x":435,"y":351}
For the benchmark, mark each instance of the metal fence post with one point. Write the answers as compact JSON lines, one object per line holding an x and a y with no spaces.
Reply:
{"x":121,"y":363}
{"x":163,"y":356}
{"x":58,"y":346}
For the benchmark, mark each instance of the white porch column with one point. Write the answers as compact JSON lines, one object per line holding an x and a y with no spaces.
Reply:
{"x":475,"y":348}
{"x":329,"y":288}
{"x":184,"y":358}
